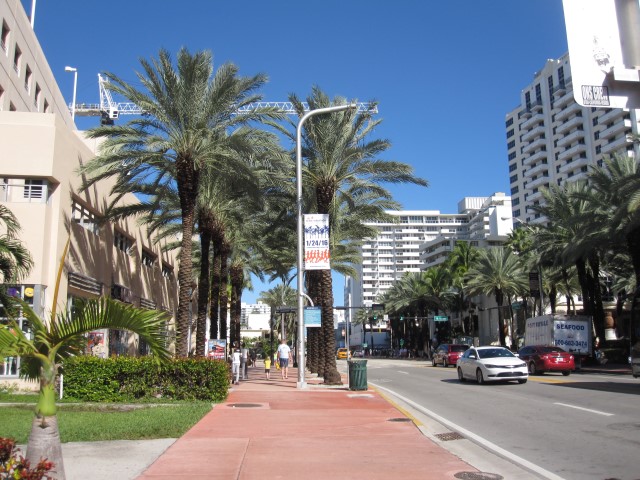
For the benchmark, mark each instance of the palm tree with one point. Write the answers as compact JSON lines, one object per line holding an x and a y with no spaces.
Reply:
{"x":341,"y":164}
{"x":498,"y":272}
{"x":15,"y":260}
{"x":62,"y":336}
{"x":458,"y":263}
{"x":189,"y":114}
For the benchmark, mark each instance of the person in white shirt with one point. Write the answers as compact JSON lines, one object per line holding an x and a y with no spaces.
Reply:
{"x":243,"y":360}
{"x":284,"y":355}
{"x":235,"y":365}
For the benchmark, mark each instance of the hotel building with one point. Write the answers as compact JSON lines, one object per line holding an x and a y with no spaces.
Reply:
{"x":40,"y":153}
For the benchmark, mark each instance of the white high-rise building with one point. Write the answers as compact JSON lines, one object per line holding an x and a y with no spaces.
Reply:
{"x":551,"y":139}
{"x":420,"y":239}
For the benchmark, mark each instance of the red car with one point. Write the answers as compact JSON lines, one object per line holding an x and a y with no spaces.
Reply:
{"x":448,"y":354}
{"x":541,"y":358}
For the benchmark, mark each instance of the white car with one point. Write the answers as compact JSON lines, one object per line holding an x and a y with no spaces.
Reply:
{"x":491,"y":364}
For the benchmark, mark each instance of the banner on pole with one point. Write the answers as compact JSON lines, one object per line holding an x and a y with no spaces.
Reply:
{"x":216,"y":348}
{"x":316,"y":242}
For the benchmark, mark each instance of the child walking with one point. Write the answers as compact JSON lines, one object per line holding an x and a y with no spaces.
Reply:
{"x":267,"y":366}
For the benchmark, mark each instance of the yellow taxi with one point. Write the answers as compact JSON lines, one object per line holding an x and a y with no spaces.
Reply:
{"x":342,"y":354}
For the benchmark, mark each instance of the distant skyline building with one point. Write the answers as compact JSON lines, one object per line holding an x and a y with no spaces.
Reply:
{"x":421,"y":239}
{"x":551,"y":139}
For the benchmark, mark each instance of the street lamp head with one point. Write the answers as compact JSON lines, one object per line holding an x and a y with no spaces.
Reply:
{"x":70,"y":69}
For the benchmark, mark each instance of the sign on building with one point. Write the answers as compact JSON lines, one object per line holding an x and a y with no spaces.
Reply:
{"x":316,"y":242}
{"x":604,"y":48}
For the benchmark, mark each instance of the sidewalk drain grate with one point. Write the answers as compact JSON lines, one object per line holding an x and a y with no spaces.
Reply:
{"x":445,"y":437}
{"x":244,"y":405}
{"x":478,"y":476}
{"x":403,"y":419}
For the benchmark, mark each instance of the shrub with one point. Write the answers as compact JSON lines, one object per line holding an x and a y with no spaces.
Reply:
{"x":15,"y":467}
{"x":121,"y":379}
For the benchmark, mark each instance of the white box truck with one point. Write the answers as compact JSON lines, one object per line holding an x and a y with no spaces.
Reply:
{"x":572,"y":333}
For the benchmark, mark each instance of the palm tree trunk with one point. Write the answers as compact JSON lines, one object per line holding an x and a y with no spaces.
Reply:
{"x":581,"y":268}
{"x":499,"y":302}
{"x":44,"y":443}
{"x":44,"y":439}
{"x":598,"y":307}
{"x":188,"y":178}
{"x":203,"y":293}
{"x":214,"y":296}
{"x":633,"y":244}
{"x":237,"y":279}
{"x":313,"y":347}
{"x":224,"y":295}
{"x":331,"y":375}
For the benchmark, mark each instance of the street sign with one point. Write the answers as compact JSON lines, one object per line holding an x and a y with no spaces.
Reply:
{"x":312,"y":317}
{"x":604,"y":49}
{"x":439,"y":318}
{"x":401,"y":342}
{"x":377,"y":307}
{"x":286,"y":309}
{"x":534,"y":284}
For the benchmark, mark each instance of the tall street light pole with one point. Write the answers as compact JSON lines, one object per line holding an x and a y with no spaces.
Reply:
{"x":300,"y":349}
{"x":75,"y":86}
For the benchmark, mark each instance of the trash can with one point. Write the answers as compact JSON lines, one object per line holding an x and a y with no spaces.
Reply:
{"x":357,"y":374}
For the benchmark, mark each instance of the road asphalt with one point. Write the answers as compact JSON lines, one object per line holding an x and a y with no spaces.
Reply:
{"x":270,"y":429}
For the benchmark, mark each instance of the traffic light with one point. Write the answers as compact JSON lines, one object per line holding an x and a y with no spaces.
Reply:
{"x":401,"y":318}
{"x":375,"y":317}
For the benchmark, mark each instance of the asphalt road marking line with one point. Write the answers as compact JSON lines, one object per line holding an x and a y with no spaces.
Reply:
{"x":547,"y":380}
{"x":475,"y":438}
{"x":406,"y":373}
{"x":585,"y":409}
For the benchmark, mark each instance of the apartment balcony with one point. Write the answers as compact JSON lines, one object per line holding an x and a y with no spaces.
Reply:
{"x":572,"y":151}
{"x":569,"y":124}
{"x":567,"y":112}
{"x":534,"y":132}
{"x":611,"y":114}
{"x":615,"y":129}
{"x":535,"y":157}
{"x":618,"y":144}
{"x":538,"y":169}
{"x":573,"y":164}
{"x":535,"y":118}
{"x":533,"y":196}
{"x":534,"y":145}
{"x":570,"y":138}
{"x":542,"y":180}
{"x":562,"y":98}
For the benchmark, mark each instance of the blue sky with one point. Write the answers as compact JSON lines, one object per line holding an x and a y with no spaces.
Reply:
{"x":445,"y":73}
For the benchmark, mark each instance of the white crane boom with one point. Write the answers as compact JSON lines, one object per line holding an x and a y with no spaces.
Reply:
{"x":110,"y":110}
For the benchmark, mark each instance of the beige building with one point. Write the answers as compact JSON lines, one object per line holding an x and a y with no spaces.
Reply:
{"x":40,"y":152}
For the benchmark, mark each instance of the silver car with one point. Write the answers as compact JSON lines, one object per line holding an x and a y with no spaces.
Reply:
{"x":491,"y":364}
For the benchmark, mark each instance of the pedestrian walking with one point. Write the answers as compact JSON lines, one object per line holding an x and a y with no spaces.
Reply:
{"x":235,"y":365}
{"x":284,"y":355}
{"x":243,"y":360}
{"x":254,"y":356}
{"x":267,"y":366}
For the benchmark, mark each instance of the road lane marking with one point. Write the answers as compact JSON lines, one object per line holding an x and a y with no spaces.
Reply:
{"x":475,"y":438}
{"x":585,"y":409}
{"x":400,"y":371}
{"x":548,"y":380}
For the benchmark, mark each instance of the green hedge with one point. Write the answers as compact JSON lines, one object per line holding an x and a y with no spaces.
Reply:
{"x":123,"y":379}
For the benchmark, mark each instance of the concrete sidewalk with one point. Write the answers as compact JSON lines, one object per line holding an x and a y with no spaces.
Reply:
{"x":272,"y":430}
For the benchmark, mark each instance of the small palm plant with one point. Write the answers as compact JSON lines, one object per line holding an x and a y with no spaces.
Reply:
{"x":63,"y":336}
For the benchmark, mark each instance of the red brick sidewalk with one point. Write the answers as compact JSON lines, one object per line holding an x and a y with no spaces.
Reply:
{"x":272,"y":430}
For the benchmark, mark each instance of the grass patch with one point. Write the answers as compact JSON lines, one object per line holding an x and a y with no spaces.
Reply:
{"x":94,"y":422}
{"x":18,"y":397}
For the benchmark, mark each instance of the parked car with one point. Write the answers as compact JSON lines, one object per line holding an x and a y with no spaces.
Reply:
{"x":491,"y":364}
{"x":448,"y":354}
{"x":542,"y":358}
{"x":342,"y":353}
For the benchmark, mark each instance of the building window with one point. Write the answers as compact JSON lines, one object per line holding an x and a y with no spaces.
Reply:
{"x":515,"y":189}
{"x":122,"y":242}
{"x":513,"y":167}
{"x":33,"y":189}
{"x":598,"y":149}
{"x":510,"y":133}
{"x":561,"y":77}
{"x":4,"y":38}
{"x":46,"y":107}
{"x":513,"y":179}
{"x":83,"y":217}
{"x":36,"y":99}
{"x":594,"y":121}
{"x":516,"y":213}
{"x":515,"y":201}
{"x":527,"y":100}
{"x":148,"y":258}
{"x":167,"y":270}
{"x":511,"y":144}
{"x":17,"y":56}
{"x":28,"y":75}
{"x":509,"y":122}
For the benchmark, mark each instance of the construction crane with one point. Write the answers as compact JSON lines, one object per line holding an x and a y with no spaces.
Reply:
{"x":109,"y":110}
